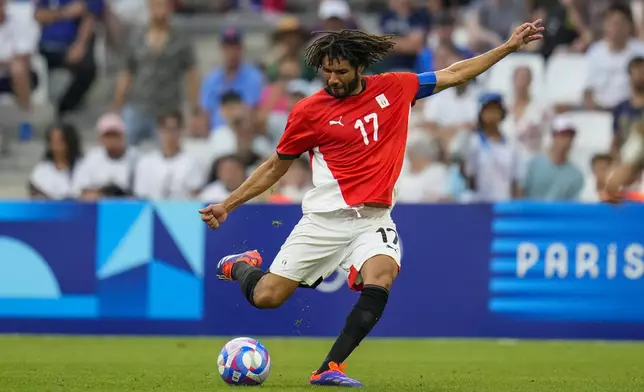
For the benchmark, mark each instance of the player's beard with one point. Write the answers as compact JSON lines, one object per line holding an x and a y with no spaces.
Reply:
{"x":346,"y":90}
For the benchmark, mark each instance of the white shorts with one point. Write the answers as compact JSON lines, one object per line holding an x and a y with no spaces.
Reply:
{"x":322,"y":242}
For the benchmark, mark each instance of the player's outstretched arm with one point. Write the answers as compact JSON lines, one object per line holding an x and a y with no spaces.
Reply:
{"x":466,"y":70}
{"x":259,"y":182}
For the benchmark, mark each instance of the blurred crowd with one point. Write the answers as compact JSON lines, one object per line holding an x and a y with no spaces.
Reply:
{"x":176,"y":131}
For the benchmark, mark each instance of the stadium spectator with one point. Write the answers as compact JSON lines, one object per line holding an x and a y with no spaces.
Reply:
{"x":441,"y":35}
{"x":227,"y":174}
{"x":410,"y":27}
{"x":444,"y":56}
{"x":493,"y":166}
{"x":335,"y":15}
{"x":630,"y":113}
{"x":566,"y":28}
{"x":526,"y":117}
{"x":231,"y":105}
{"x":551,"y":176}
{"x":107,"y":169}
{"x":67,"y":42}
{"x":594,"y":12}
{"x":168,"y":173}
{"x":294,"y":184}
{"x":600,"y":165}
{"x":274,"y":97}
{"x":458,"y":189}
{"x":425,"y":177}
{"x":490,"y":21}
{"x":289,"y":39}
{"x":240,"y":137}
{"x":607,"y":60}
{"x":451,"y":116}
{"x":52,"y":178}
{"x":276,"y":122}
{"x":18,"y":41}
{"x":234,"y":75}
{"x":150,"y":81}
{"x":122,"y":18}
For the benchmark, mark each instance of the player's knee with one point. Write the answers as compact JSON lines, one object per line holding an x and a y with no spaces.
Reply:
{"x":272,"y":291}
{"x":268,"y":298}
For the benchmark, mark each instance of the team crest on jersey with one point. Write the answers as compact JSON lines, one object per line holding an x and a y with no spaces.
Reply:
{"x":382,"y":101}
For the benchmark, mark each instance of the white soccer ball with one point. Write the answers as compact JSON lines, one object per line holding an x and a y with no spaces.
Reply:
{"x":244,"y":361}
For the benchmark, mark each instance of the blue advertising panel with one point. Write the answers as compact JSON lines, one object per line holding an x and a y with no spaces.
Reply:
{"x":509,"y":270}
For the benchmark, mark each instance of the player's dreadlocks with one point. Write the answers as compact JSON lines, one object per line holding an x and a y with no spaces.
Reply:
{"x":355,"y":46}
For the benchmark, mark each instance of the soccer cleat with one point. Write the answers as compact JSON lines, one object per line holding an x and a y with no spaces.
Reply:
{"x":225,"y":265}
{"x":334,"y":377}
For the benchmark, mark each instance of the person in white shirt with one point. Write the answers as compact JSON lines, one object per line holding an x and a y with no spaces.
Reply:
{"x":51,"y":178}
{"x":107,"y":170}
{"x":168,"y":173}
{"x":226,"y":175}
{"x":607,"y":60}
{"x":493,"y":164}
{"x":19,"y":34}
{"x":425,"y":177}
{"x":451,"y":115}
{"x":527,"y":120}
{"x":600,"y":165}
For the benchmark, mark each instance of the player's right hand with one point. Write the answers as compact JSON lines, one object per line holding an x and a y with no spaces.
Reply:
{"x":214,"y":215}
{"x":525,"y":34}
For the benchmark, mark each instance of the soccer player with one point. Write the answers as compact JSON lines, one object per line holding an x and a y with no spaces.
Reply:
{"x":355,"y":130}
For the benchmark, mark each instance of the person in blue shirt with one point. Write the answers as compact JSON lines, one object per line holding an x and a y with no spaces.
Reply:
{"x":67,"y":41}
{"x":235,"y":75}
{"x":409,"y":27}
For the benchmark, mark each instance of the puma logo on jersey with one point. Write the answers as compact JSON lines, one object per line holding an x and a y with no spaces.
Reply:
{"x":382,"y":101}
{"x":336,"y":122}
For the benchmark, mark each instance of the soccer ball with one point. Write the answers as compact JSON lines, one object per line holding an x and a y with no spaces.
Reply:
{"x":244,"y":361}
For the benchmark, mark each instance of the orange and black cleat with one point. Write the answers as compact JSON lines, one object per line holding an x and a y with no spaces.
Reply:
{"x":225,"y":265}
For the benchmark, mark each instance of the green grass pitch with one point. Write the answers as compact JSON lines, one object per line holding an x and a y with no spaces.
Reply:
{"x":71,"y":364}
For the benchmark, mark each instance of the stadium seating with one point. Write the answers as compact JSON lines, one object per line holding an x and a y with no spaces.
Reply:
{"x":565,"y":79}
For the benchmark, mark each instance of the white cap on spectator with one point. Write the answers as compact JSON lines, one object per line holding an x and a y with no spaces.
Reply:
{"x":563,"y":124}
{"x":299,"y":86}
{"x":110,"y":122}
{"x":334,"y":9}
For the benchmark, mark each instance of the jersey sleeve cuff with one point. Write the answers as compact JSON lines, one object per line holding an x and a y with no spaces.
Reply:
{"x":287,"y":157}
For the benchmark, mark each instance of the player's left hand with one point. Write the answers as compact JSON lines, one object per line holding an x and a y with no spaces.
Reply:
{"x":525,"y":34}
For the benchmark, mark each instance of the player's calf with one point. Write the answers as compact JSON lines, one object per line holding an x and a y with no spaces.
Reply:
{"x":272,"y":291}
{"x":378,"y":274}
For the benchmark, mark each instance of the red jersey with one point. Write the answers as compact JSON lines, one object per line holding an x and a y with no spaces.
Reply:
{"x":356,"y":144}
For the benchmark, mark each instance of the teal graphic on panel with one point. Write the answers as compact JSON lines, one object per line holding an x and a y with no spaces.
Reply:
{"x":150,"y":260}
{"x":130,"y":260}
